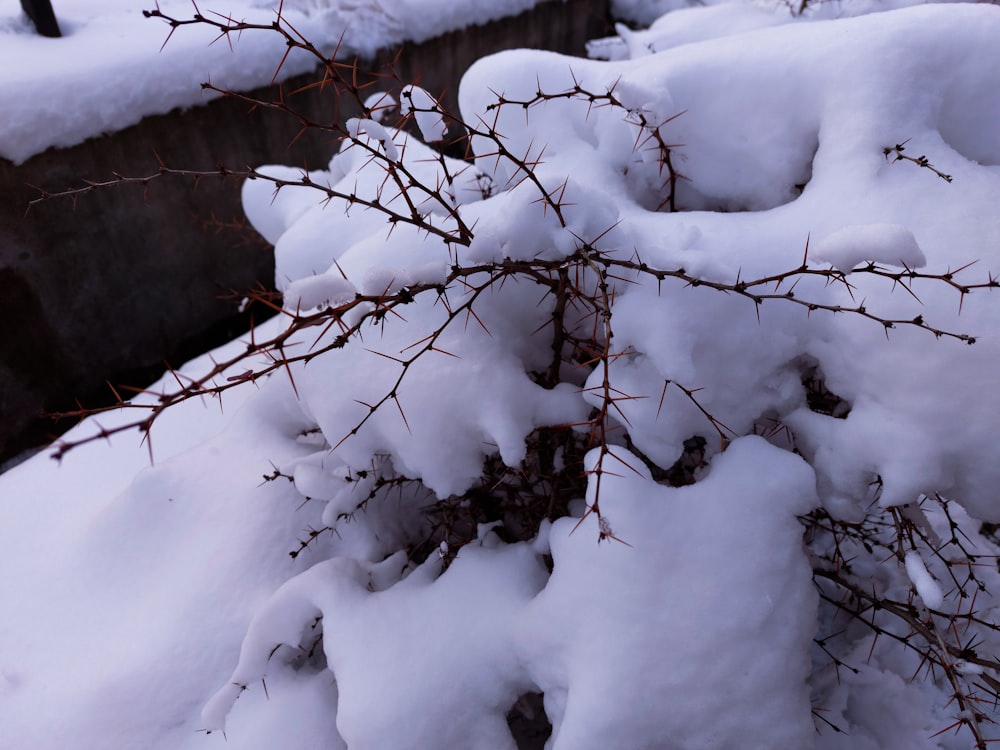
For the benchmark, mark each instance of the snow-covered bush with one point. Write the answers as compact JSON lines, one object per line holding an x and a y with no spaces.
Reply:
{"x":673,"y":402}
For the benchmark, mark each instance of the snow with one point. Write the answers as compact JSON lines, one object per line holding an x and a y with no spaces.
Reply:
{"x":379,"y":103}
{"x":426,"y":111}
{"x":367,"y":131}
{"x":892,"y":244}
{"x":111,"y":67}
{"x":601,"y":680}
{"x":265,"y":576}
{"x":319,"y":291}
{"x":378,"y":667}
{"x":928,"y":589}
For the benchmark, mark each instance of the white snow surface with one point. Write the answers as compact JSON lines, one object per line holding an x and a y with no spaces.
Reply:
{"x":923,"y":582}
{"x":111,"y":67}
{"x":148,"y":597}
{"x":639,"y":641}
{"x":890,"y":244}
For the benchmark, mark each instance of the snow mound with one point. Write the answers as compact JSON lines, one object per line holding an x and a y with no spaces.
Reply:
{"x":623,"y":636}
{"x":876,"y":243}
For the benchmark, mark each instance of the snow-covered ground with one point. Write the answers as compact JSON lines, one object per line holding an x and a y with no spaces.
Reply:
{"x":152,"y":606}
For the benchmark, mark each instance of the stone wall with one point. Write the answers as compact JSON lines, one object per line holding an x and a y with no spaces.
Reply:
{"x":110,"y":288}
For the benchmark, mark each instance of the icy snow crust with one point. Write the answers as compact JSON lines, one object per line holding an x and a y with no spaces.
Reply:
{"x":693,"y":631}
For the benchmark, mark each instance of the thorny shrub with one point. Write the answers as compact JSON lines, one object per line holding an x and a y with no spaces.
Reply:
{"x":852,"y":559}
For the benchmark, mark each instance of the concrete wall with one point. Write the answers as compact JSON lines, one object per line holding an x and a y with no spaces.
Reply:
{"x":109,"y":289}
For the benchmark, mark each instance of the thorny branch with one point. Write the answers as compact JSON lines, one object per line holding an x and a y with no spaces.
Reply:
{"x":896,"y":152}
{"x":948,"y":639}
{"x":650,"y":134}
{"x":375,"y":308}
